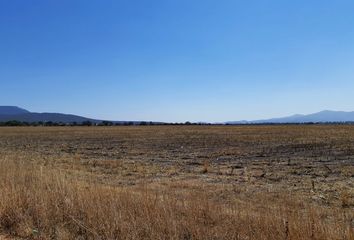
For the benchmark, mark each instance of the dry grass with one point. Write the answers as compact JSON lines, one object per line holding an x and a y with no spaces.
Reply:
{"x":80,"y":196}
{"x":44,"y":204}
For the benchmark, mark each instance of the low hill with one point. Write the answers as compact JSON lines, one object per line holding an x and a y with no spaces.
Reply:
{"x":12,"y":113}
{"x":11,"y":110}
{"x":320,"y":117}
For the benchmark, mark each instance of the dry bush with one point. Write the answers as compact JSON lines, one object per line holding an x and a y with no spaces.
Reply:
{"x":42,"y":203}
{"x":206,"y":166}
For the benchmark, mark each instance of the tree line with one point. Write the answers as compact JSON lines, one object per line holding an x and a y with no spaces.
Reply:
{"x":15,"y":123}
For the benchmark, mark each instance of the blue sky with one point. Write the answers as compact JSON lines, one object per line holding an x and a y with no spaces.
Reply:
{"x":177,"y":60}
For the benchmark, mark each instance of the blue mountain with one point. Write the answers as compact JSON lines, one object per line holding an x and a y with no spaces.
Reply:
{"x":9,"y":113}
{"x":320,"y":117}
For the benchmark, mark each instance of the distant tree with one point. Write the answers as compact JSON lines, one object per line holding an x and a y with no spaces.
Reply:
{"x":34,"y":124}
{"x":26,"y":124}
{"x":13,"y":123}
{"x":87,"y":123}
{"x":49,"y":123}
{"x":107,"y":123}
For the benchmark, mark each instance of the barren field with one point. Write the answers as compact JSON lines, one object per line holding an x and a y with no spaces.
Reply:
{"x":177,"y":182}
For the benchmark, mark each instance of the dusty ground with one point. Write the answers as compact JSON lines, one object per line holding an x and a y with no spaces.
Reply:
{"x":232,"y":162}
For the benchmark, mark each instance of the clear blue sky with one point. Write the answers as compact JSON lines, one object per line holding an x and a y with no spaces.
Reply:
{"x":177,"y":60}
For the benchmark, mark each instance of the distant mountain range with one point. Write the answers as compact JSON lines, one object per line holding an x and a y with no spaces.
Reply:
{"x":320,"y":117}
{"x":10,"y":113}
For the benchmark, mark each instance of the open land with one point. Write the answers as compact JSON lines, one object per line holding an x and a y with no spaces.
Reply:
{"x":177,"y":182}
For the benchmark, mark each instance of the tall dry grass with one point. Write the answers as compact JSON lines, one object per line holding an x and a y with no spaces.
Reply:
{"x":41,"y":203}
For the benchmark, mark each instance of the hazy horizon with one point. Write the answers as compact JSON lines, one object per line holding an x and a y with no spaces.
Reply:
{"x":177,"y":61}
{"x":320,"y":116}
